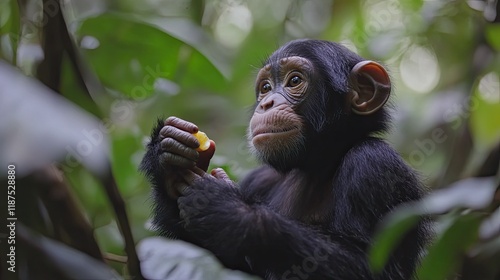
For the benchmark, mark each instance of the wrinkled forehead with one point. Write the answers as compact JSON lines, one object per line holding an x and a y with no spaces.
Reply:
{"x":281,"y":65}
{"x":298,"y":53}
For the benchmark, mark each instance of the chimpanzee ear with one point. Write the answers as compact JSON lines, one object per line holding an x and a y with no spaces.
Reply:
{"x":370,"y":87}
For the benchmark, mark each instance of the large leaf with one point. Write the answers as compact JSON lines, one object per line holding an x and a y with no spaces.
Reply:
{"x":129,"y":55}
{"x":66,"y":261}
{"x":192,"y":34}
{"x":394,"y":229}
{"x":474,"y":193}
{"x":164,"y":259}
{"x":38,"y":127}
{"x":445,"y":255}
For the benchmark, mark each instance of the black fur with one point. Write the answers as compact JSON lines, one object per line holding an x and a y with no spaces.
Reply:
{"x":316,"y":220}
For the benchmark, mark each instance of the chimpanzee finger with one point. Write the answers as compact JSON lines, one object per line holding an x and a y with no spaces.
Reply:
{"x":180,"y":187}
{"x":173,"y":146}
{"x":183,"y":137}
{"x":169,"y":159}
{"x":220,"y":174}
{"x":199,"y":171}
{"x":188,"y":176}
{"x":181,"y":124}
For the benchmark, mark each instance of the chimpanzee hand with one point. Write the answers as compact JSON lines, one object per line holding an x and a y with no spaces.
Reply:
{"x":179,"y":154}
{"x":208,"y":203}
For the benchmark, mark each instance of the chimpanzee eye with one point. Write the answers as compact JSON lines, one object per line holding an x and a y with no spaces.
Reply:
{"x":294,"y":81}
{"x":265,"y":87}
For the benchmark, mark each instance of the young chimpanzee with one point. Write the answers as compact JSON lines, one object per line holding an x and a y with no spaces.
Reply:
{"x":310,"y":211}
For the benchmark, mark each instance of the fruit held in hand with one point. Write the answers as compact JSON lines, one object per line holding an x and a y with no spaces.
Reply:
{"x":204,"y":141}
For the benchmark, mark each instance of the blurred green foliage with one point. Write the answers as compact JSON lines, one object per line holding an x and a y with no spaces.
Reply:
{"x":129,"y":62}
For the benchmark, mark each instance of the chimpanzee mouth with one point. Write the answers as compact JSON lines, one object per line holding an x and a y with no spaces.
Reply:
{"x":273,"y":130}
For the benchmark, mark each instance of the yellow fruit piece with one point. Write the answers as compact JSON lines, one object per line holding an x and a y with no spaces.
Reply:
{"x":204,"y":141}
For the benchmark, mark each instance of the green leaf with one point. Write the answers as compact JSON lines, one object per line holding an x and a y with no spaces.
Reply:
{"x":197,"y":37}
{"x":475,"y":193}
{"x":445,"y":255}
{"x":129,"y":55}
{"x":166,"y":259}
{"x":493,"y":35}
{"x":394,"y":228}
{"x":198,"y":72}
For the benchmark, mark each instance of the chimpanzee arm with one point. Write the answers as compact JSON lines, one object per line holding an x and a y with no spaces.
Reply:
{"x":376,"y":180}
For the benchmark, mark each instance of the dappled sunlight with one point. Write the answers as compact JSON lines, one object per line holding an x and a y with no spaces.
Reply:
{"x":489,"y":87}
{"x":419,"y":69}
